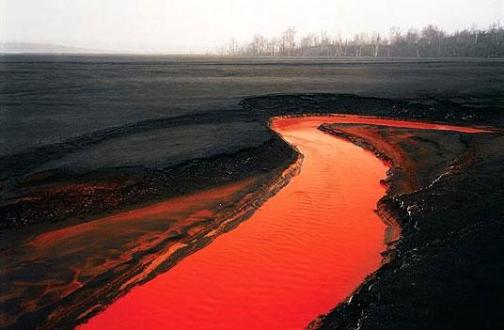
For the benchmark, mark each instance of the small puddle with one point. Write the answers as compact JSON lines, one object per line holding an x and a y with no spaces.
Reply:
{"x":302,"y":252}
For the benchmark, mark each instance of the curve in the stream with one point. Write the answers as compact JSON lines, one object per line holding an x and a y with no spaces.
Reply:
{"x":306,"y":249}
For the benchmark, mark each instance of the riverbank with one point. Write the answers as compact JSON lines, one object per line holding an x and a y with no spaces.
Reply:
{"x":94,"y":262}
{"x":445,"y":271}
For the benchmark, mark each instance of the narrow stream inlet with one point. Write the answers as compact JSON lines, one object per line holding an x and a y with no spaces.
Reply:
{"x":301,"y":253}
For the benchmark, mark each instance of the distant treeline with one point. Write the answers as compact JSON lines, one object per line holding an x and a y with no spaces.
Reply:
{"x":430,"y":41}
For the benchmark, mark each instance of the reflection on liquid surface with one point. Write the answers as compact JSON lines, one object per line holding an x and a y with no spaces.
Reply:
{"x":303,"y":251}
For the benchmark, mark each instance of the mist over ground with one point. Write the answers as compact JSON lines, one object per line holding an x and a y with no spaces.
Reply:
{"x":197,"y":26}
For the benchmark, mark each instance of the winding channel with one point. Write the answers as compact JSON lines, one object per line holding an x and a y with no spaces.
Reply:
{"x":303,"y":251}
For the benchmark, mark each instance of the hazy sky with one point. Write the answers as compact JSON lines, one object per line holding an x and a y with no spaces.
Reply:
{"x":197,"y":25}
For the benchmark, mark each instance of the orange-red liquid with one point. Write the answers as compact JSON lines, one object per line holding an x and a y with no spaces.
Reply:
{"x":78,"y":254}
{"x":306,"y":249}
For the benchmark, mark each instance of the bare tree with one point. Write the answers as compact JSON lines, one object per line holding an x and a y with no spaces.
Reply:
{"x":430,"y":41}
{"x":232,"y":47}
{"x":273,"y":46}
{"x":258,"y":46}
{"x":376,"y":38}
{"x":288,"y":41}
{"x":308,"y":41}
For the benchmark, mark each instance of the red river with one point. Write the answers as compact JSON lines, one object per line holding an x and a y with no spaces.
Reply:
{"x":301,"y":253}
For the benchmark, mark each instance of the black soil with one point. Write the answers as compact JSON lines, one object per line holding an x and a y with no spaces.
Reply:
{"x":446,"y":271}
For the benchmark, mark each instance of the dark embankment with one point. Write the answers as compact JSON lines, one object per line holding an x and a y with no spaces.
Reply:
{"x":432,"y":109}
{"x":84,"y":178}
{"x":57,"y":185}
{"x":446,"y":191}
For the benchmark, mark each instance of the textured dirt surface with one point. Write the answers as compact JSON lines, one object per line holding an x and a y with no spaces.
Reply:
{"x":49,"y":99}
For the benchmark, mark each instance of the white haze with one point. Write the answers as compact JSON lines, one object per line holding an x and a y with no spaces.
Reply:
{"x":198,"y":25}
